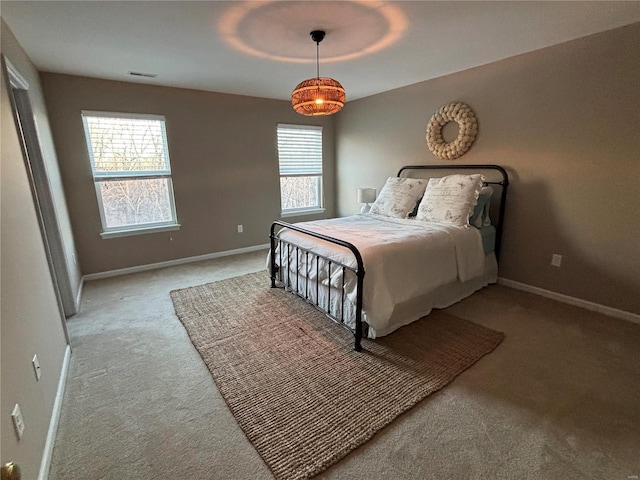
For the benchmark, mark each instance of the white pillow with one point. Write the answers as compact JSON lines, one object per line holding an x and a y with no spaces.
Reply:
{"x":399,"y":197}
{"x":450,"y":199}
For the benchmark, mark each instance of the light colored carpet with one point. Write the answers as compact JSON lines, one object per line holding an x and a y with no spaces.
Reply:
{"x":301,"y":394}
{"x":140,"y":404}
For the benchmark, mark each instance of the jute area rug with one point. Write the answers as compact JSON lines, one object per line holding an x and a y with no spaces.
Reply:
{"x":290,"y":376}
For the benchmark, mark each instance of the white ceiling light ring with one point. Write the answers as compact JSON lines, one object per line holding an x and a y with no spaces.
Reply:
{"x":391,"y":16}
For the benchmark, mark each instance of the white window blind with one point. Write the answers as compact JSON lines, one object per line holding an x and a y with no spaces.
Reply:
{"x":126,"y":145}
{"x":300,"y":158}
{"x":131,"y":170}
{"x":300,"y":150}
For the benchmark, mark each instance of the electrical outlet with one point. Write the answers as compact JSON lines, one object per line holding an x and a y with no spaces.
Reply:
{"x":18,"y":421}
{"x":240,"y":229}
{"x":556,"y":260}
{"x":36,"y":367}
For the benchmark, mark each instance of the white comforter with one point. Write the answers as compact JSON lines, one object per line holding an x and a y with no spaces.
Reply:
{"x":403,"y":259}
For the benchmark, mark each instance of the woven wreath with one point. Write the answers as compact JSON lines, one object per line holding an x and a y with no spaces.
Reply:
{"x":467,"y":130}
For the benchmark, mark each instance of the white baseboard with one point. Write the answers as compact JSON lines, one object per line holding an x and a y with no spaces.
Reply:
{"x":595,"y":307}
{"x":47,"y":453}
{"x":171,"y":263}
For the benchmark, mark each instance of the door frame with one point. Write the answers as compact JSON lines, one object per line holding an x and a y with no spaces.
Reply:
{"x":40,"y":191}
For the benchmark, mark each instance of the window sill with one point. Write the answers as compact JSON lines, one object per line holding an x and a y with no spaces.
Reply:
{"x":139,"y":231}
{"x":300,"y":213}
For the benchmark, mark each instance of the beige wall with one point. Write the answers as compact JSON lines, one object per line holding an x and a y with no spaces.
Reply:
{"x":224,"y":167}
{"x":564,"y":122}
{"x":31,"y":322}
{"x":14,"y":53}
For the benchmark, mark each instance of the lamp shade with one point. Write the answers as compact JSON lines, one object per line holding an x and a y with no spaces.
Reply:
{"x":318,"y":96}
{"x":366,"y":195}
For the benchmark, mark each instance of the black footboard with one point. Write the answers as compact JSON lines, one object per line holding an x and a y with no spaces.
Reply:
{"x":284,"y":249}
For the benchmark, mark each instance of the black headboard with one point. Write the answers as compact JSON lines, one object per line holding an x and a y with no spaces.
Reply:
{"x":494,"y":175}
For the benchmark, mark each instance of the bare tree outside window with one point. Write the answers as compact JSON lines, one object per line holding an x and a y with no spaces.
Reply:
{"x":131,"y":170}
{"x":135,"y":202}
{"x":300,"y":192}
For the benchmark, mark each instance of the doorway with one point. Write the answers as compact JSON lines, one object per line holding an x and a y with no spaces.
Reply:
{"x":41,"y":191}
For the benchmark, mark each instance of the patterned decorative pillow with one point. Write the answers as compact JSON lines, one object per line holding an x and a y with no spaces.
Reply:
{"x":399,"y":197}
{"x":450,"y":199}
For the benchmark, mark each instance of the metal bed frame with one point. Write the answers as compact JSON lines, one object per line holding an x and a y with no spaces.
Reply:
{"x":280,"y":248}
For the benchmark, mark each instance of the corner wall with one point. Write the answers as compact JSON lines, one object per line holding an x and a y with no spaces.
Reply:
{"x":564,"y":122}
{"x":31,"y":322}
{"x":224,"y":162}
{"x":16,"y":55}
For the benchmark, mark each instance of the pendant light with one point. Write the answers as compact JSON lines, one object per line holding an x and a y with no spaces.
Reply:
{"x":320,"y":95}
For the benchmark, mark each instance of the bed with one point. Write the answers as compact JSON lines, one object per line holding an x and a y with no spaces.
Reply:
{"x":432,"y":238}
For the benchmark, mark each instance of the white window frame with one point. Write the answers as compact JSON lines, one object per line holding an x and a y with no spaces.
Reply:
{"x":99,"y":177}
{"x":290,"y":212}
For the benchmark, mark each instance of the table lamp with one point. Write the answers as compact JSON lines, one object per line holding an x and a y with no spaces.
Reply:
{"x":366,"y":196}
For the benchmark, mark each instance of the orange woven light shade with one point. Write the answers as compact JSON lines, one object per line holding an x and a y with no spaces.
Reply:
{"x":318,"y":96}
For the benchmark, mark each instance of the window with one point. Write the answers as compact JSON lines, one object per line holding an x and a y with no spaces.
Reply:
{"x":300,"y":158}
{"x":131,"y":172}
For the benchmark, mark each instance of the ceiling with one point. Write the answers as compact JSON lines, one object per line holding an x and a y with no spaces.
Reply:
{"x":263,"y":48}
